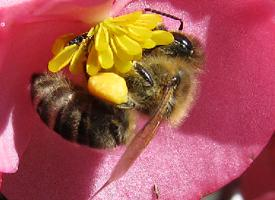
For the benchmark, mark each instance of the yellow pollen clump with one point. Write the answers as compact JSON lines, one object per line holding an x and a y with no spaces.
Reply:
{"x":108,"y":86}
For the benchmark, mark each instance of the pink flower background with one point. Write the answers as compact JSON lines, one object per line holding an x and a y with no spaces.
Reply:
{"x":257,"y":182}
{"x":230,"y":124}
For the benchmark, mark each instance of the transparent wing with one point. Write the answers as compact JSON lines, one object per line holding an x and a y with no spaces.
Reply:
{"x":139,"y":142}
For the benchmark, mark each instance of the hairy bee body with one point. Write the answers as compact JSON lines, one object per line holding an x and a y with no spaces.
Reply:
{"x":77,"y":116}
{"x":180,"y":61}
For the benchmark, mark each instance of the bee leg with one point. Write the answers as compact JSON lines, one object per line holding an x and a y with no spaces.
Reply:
{"x":143,"y":72}
{"x":126,"y":106}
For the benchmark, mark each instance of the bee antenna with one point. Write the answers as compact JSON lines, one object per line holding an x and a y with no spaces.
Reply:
{"x":166,"y":15}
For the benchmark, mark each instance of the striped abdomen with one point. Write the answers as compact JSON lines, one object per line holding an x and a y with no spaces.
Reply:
{"x":76,"y":115}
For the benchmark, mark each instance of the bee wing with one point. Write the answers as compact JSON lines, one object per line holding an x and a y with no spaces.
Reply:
{"x":139,"y":142}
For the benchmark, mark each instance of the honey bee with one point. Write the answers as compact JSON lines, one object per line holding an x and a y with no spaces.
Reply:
{"x":162,"y":84}
{"x":80,"y":117}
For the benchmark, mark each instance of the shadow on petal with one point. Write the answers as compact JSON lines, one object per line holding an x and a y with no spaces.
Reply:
{"x":50,"y":163}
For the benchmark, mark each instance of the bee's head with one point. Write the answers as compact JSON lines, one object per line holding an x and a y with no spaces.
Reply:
{"x":185,"y":48}
{"x":181,"y":46}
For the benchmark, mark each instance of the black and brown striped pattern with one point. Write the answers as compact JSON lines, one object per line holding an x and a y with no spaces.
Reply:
{"x":76,"y":115}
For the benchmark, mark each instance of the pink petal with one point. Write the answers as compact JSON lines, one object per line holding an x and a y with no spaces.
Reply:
{"x":228,"y":127}
{"x":0,"y":180}
{"x":24,"y":11}
{"x":258,"y":181}
{"x":25,"y":48}
{"x":8,"y":153}
{"x":118,"y":6}
{"x":266,"y":196}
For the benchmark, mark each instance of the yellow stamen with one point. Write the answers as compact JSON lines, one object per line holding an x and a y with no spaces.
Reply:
{"x":123,"y":66}
{"x":115,"y":29}
{"x":106,"y":58}
{"x":62,"y":59}
{"x":76,"y":64}
{"x":149,"y":21}
{"x":61,"y":42}
{"x":148,"y":44}
{"x":128,"y":45}
{"x":161,"y":37}
{"x":119,"y":52}
{"x":92,"y":66}
{"x":127,"y":19}
{"x":102,"y":39}
{"x":139,"y":33}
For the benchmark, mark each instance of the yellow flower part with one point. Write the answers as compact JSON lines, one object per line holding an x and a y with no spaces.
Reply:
{"x":76,"y":64}
{"x":63,"y":58}
{"x":127,"y":35}
{"x":92,"y":66}
{"x":115,"y":42}
{"x":73,"y":53}
{"x":61,"y":42}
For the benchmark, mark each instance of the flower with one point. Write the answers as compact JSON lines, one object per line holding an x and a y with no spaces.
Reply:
{"x":230,"y":124}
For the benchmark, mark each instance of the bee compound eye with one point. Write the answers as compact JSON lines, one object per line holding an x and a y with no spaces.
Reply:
{"x":185,"y":45}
